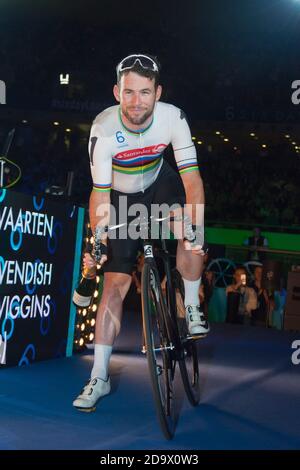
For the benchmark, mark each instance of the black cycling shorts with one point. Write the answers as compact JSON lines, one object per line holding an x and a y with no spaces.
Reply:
{"x":167,"y":188}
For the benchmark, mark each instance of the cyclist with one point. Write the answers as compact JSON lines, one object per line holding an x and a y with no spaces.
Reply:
{"x":126,"y":157}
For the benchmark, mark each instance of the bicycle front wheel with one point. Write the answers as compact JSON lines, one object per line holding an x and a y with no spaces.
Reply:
{"x":188,"y":362}
{"x":158,"y":349}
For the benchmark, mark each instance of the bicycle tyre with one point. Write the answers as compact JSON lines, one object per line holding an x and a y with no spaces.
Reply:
{"x":188,"y":361}
{"x":160,"y":363}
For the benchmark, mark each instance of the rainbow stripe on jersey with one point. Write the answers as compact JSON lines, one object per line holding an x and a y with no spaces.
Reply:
{"x":102,"y":187}
{"x":137,"y":161}
{"x":186,"y":167}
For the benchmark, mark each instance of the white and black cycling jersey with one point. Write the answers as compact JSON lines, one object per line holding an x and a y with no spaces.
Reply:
{"x":129,"y":161}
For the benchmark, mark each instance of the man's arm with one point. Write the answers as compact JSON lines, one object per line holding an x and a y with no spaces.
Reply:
{"x":186,"y":159}
{"x":99,"y":214}
{"x":99,"y":204}
{"x":99,"y":210}
{"x":101,"y":170}
{"x":195,"y":198}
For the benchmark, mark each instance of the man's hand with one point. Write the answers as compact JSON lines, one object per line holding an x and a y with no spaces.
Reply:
{"x":89,"y":262}
{"x":196,"y":250}
{"x":193,"y":241}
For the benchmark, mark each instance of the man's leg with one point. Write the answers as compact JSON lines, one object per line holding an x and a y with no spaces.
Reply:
{"x":169,"y":190}
{"x":190,"y":267}
{"x":108,"y":321}
{"x":108,"y":324}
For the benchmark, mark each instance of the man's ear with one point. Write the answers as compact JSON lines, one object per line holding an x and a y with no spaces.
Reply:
{"x":116,"y":92}
{"x":158,"y":93}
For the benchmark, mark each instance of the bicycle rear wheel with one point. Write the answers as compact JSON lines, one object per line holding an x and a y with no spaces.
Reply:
{"x":159,"y":349}
{"x":188,"y":362}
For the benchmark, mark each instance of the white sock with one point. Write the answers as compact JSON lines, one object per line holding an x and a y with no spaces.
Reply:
{"x":191,"y":289}
{"x":101,"y":361}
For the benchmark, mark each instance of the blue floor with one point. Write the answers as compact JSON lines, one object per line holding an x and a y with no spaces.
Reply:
{"x":250,"y":398}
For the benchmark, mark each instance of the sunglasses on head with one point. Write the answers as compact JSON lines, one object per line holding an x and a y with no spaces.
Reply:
{"x":143,"y":60}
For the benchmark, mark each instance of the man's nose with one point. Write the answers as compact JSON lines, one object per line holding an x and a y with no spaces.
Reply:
{"x":136,"y":99}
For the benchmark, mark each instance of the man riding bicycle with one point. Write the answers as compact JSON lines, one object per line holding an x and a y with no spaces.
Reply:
{"x":126,"y":156}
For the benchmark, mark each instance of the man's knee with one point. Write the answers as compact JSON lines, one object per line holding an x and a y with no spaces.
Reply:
{"x":117,"y":282}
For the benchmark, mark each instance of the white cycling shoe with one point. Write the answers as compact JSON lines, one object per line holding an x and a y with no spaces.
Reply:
{"x":196,"y":322}
{"x":90,"y":394}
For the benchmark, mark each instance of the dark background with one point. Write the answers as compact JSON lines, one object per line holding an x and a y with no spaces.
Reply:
{"x":229,"y":52}
{"x":228,"y":63}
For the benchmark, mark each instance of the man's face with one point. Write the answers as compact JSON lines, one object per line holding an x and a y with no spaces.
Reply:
{"x":258,"y":273}
{"x":137,"y":97}
{"x":238,"y":275}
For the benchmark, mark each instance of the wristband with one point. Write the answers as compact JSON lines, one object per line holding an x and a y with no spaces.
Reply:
{"x":99,"y":248}
{"x":190,"y":232}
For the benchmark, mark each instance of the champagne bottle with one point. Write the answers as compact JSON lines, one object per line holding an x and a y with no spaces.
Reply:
{"x":83,"y":294}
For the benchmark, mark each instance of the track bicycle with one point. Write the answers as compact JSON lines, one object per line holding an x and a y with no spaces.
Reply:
{"x":166,"y":338}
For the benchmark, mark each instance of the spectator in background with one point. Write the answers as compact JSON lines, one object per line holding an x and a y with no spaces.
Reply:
{"x":257,"y":240}
{"x":260,"y":314}
{"x":241,"y":299}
